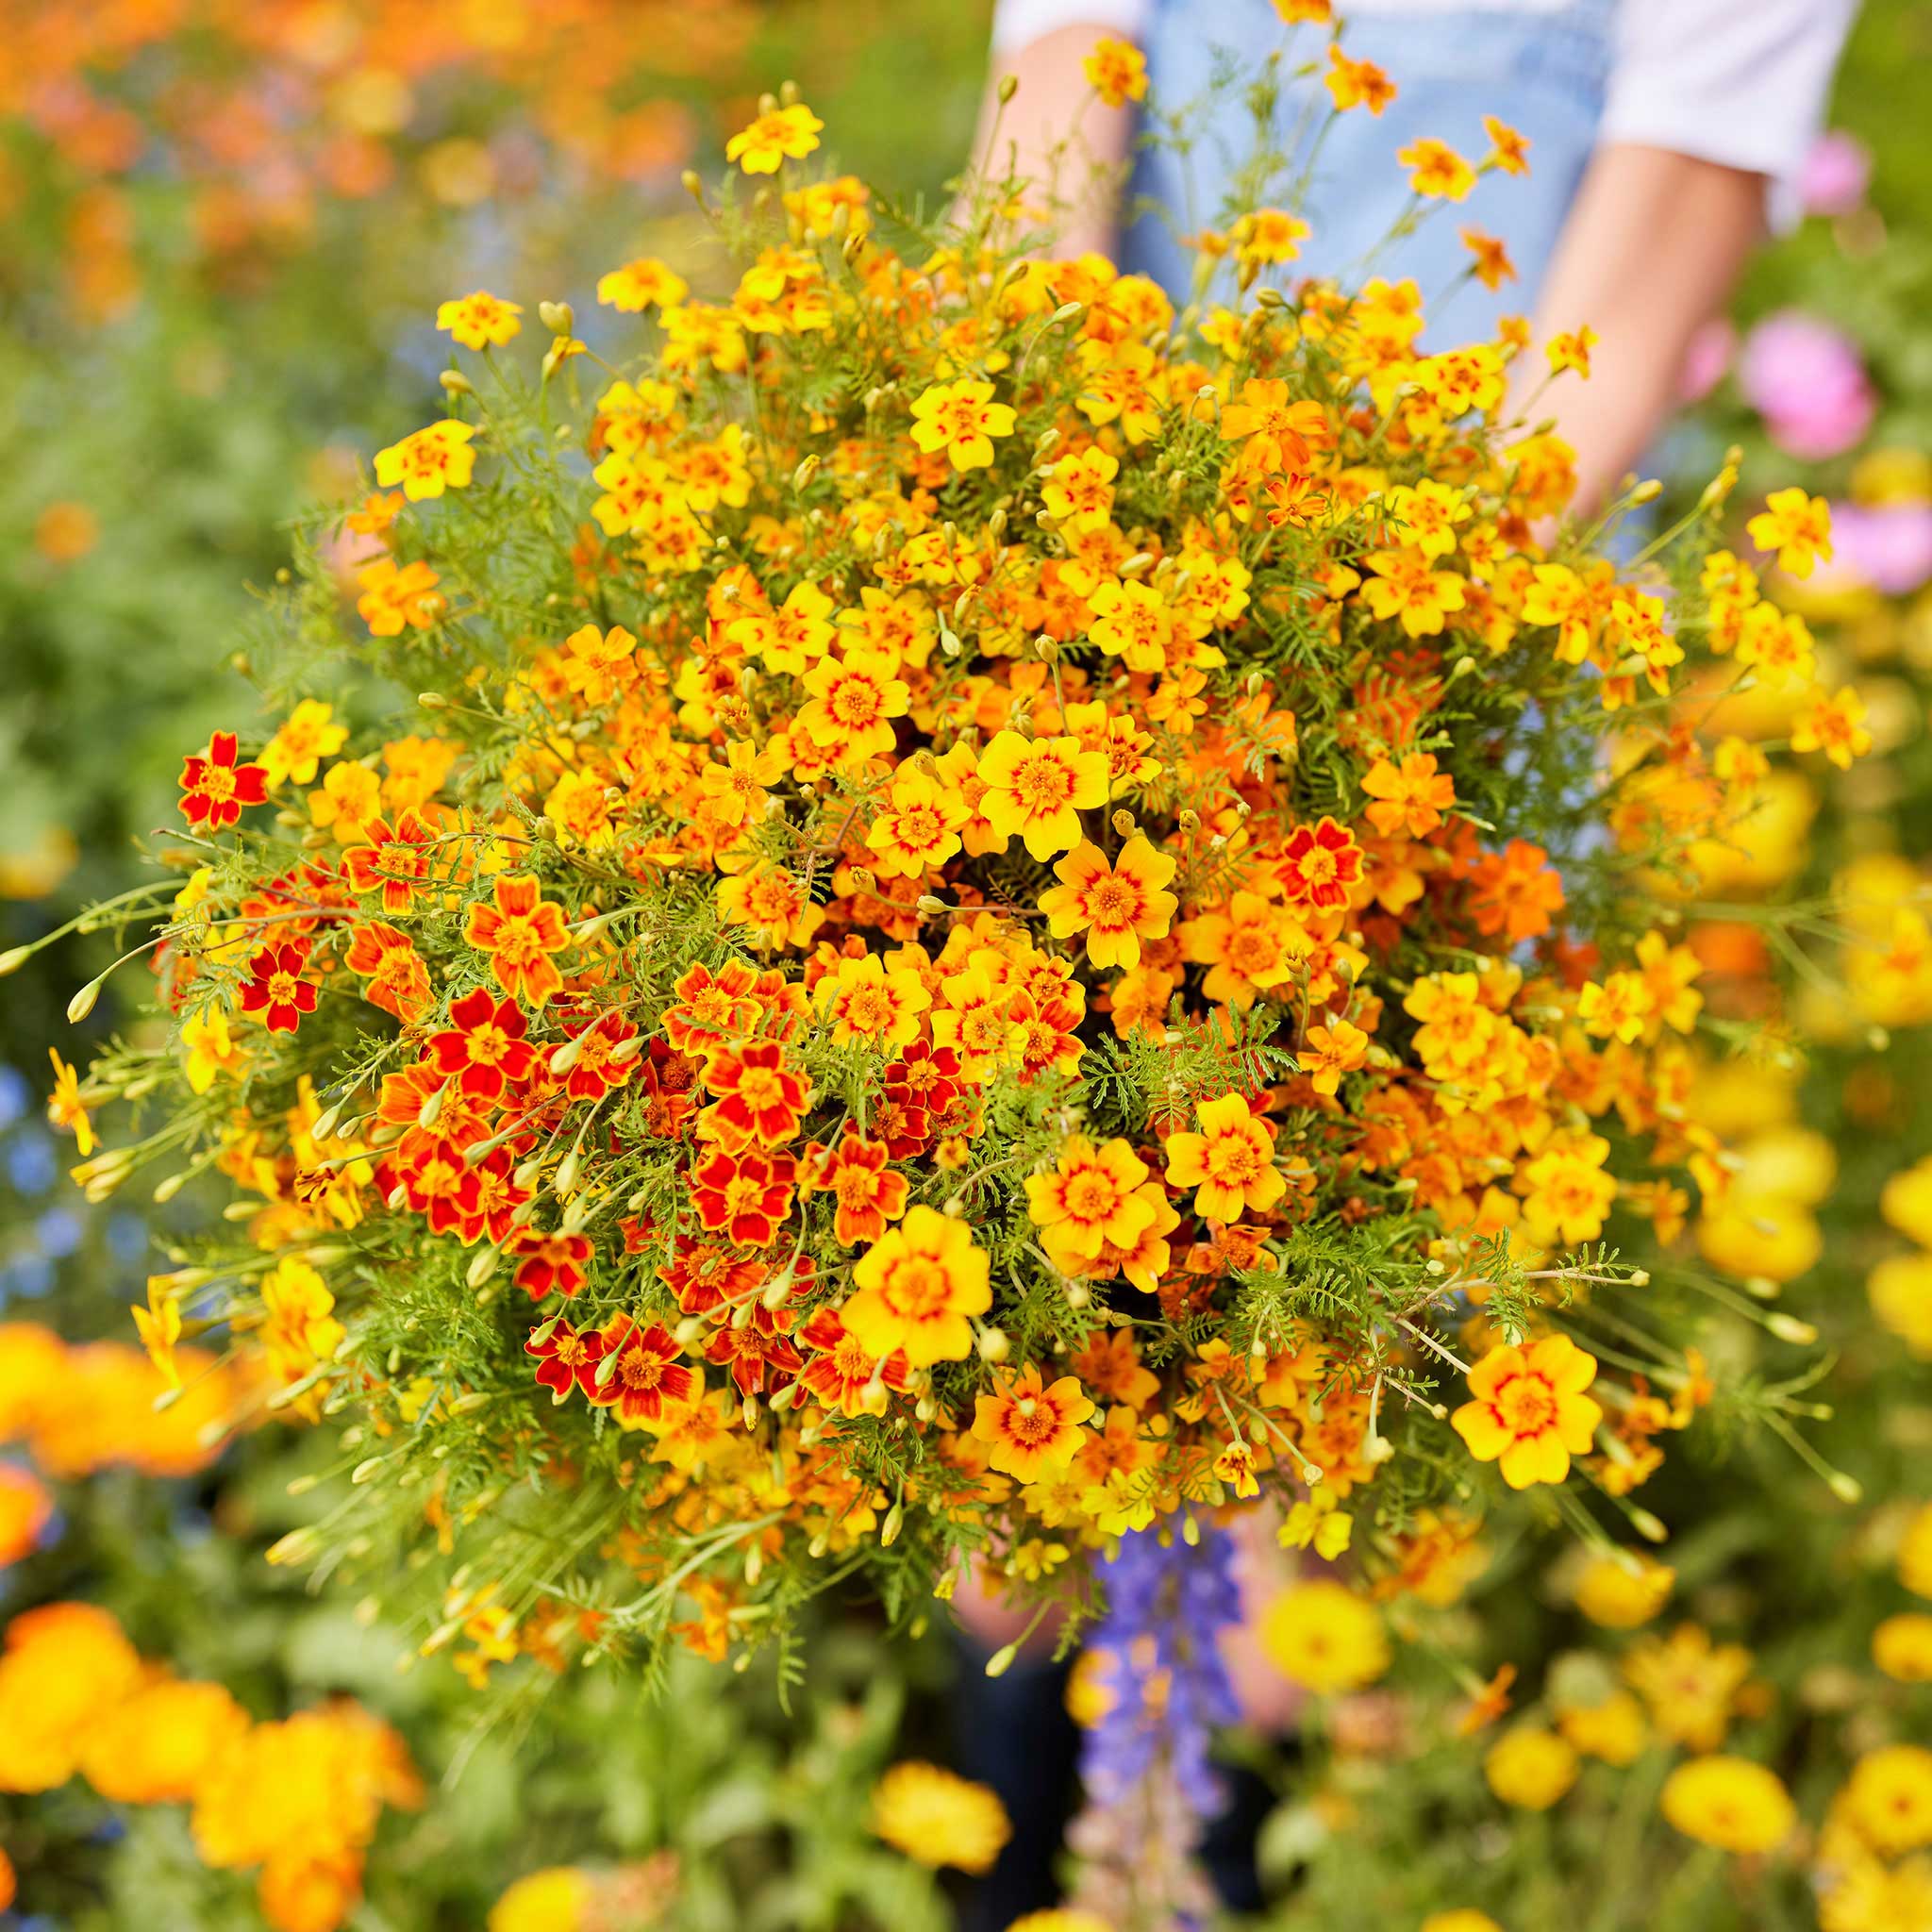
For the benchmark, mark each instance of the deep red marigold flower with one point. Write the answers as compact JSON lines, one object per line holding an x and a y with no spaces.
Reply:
{"x":214,"y":787}
{"x":648,"y":1377}
{"x":1319,"y":864}
{"x":275,"y":987}
{"x":745,"y":1194}
{"x":493,"y":1208}
{"x":567,"y":1359}
{"x":759,"y":1098}
{"x":551,"y":1263}
{"x":438,"y":1183}
{"x":520,"y":932}
{"x":749,"y":1350}
{"x":483,"y":1049}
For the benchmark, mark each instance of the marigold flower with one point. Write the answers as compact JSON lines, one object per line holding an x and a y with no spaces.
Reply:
{"x":646,"y":283}
{"x":1117,"y":71}
{"x":938,"y":1819}
{"x":962,"y":419}
{"x":567,"y":1358}
{"x":214,"y":787}
{"x":1530,"y":1768}
{"x":1323,"y":1637}
{"x":784,"y":134}
{"x":917,"y":1289}
{"x":1030,"y":1427}
{"x":1319,"y":865}
{"x":431,"y":460}
{"x":1436,"y":171}
{"x":648,"y":1381}
{"x":867,"y":1002}
{"x":1528,"y":1412}
{"x":66,"y":1108}
{"x":1116,"y":905}
{"x":1036,"y":790}
{"x":1090,"y":1199}
{"x":1570,"y":350}
{"x":1229,"y":1163}
{"x":1796,"y":527}
{"x":1730,"y":1802}
{"x":519,"y":931}
{"x":760,"y":1097}
{"x":276,"y":989}
{"x":480,"y":320}
{"x":1356,"y":83}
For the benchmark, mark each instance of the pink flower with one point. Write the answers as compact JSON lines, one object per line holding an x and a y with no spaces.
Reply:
{"x":1888,"y":546}
{"x":1836,"y":174}
{"x":1804,"y":378}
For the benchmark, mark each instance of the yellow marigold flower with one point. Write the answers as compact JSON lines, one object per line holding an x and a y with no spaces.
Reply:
{"x":1620,"y":1592}
{"x":1116,"y":73}
{"x":1902,"y":1647}
{"x":646,"y":283}
{"x":1060,"y":1919}
{"x":784,"y":134}
{"x":853,"y":703}
{"x":1436,"y":171}
{"x":1323,"y":1637}
{"x":1037,"y":788}
{"x":918,"y":1286}
{"x":1528,"y":1413}
{"x":429,"y":461}
{"x":920,"y":827}
{"x":1030,"y":1427}
{"x":1729,"y":1803}
{"x":1835,"y":725}
{"x":962,"y":419}
{"x":1753,"y":1235}
{"x":1690,"y":1684}
{"x":1797,"y":527}
{"x":1887,"y":1799}
{"x":66,"y":1108}
{"x":1508,"y":150}
{"x":938,"y":1819}
{"x":309,"y":735}
{"x":1230,"y":1162}
{"x":1405,"y":587}
{"x":1900,"y":1291}
{"x":1091,"y":1199}
{"x":1530,"y":1768}
{"x":1463,"y":1918}
{"x":1865,"y":1897}
{"x":480,"y":320}
{"x":771,"y":902}
{"x":1570,"y":350}
{"x":1079,"y":493}
{"x":1489,"y":260}
{"x":64,"y":1665}
{"x":1567,"y":1193}
{"x":1117,"y":904}
{"x":866,"y":1000}
{"x":1269,"y":236}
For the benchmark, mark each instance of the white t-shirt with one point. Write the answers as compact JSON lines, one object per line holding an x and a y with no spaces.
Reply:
{"x":1742,"y":83}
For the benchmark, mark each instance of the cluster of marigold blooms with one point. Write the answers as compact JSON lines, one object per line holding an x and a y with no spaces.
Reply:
{"x":268,"y":109}
{"x":297,"y":1800}
{"x":965,"y":822}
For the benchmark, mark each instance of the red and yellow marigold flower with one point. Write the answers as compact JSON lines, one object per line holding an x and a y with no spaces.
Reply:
{"x":1117,"y":904}
{"x":483,"y":1048}
{"x":1090,"y":1199}
{"x":214,"y":787}
{"x":275,"y":988}
{"x":433,"y":460}
{"x":1320,"y":864}
{"x":760,"y":1097}
{"x":641,"y":1376}
{"x":1528,"y":1413}
{"x":480,"y":320}
{"x":961,"y":419}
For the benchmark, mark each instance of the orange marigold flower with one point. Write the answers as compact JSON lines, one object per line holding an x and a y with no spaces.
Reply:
{"x":1117,"y":71}
{"x":1508,"y":150}
{"x":1116,"y":906}
{"x":1356,"y":83}
{"x":841,"y":1374}
{"x":1436,"y":171}
{"x":772,"y":903}
{"x":388,"y":959}
{"x":483,"y":1048}
{"x":1230,"y":1162}
{"x":214,"y":787}
{"x":1411,"y":797}
{"x":868,"y":1194}
{"x":394,"y":596}
{"x":918,"y":1288}
{"x":1030,"y":1427}
{"x":759,"y":1098}
{"x":520,"y":932}
{"x":1529,"y":1413}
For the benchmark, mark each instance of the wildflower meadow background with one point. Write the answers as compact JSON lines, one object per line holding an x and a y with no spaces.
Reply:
{"x":814,"y":931}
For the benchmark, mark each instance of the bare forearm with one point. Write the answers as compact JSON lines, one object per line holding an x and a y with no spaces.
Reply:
{"x":1649,"y":252}
{"x":1066,"y":143}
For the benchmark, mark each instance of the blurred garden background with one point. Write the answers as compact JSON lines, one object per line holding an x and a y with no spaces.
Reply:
{"x":229,"y":227}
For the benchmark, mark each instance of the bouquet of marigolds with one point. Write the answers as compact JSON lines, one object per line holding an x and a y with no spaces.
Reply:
{"x":936,"y":916}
